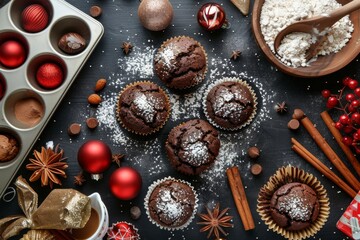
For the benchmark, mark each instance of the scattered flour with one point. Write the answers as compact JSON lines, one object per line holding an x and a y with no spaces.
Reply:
{"x":276,"y":15}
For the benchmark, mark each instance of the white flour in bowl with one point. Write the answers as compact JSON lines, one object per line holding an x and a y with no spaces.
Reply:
{"x":278,"y":14}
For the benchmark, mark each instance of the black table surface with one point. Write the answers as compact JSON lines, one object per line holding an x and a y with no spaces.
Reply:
{"x":268,"y":131}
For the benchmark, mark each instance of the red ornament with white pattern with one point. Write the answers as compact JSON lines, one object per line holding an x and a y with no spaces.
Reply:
{"x":34,"y":18}
{"x":122,"y":231}
{"x":211,"y":16}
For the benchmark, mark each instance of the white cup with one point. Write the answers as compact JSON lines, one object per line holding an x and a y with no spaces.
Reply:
{"x":99,"y":206}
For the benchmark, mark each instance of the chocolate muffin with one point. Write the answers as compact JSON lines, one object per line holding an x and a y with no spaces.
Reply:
{"x":181,"y":62}
{"x":143,"y":108}
{"x":230,"y":104}
{"x":294,"y":206}
{"x":9,"y":147}
{"x":171,"y":204}
{"x":192,"y":146}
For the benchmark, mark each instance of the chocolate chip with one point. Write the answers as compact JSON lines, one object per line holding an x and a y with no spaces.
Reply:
{"x":74,"y":129}
{"x":256,"y":169}
{"x":253,"y":152}
{"x":92,"y":123}
{"x":72,"y":43}
{"x":293,"y":124}
{"x":298,"y":114}
{"x":135,"y":212}
{"x":95,"y":11}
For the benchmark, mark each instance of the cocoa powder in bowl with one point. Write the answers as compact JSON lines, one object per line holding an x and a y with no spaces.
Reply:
{"x":29,"y":111}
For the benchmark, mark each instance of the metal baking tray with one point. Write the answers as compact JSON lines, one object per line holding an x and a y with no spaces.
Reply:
{"x":41,"y":47}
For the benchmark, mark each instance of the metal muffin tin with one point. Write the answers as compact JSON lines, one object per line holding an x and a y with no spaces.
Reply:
{"x":41,"y":47}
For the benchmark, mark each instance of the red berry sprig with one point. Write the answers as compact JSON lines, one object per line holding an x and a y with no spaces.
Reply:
{"x":349,"y":104}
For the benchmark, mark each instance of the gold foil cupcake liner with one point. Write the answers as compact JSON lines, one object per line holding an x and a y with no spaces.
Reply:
{"x":230,"y":79}
{"x":201,"y":78}
{"x":147,"y":198}
{"x":283,"y":176}
{"x":38,"y":235}
{"x":118,"y":108}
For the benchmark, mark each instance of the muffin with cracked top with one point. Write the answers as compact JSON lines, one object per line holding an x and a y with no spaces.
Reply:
{"x":193,"y":146}
{"x":181,"y":62}
{"x":143,"y":108}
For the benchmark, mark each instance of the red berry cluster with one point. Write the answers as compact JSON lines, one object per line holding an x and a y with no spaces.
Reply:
{"x":349,"y":104}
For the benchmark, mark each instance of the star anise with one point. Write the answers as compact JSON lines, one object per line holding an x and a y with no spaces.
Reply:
{"x":79,"y":179}
{"x":116,"y":158}
{"x":215,"y":221}
{"x":281,"y":107}
{"x":126,"y":47}
{"x":235,"y":54}
{"x":47,"y":165}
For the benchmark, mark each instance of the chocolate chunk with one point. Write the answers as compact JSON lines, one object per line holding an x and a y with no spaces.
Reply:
{"x":74,"y":129}
{"x":256,"y":169}
{"x":298,"y":114}
{"x":253,"y":152}
{"x":72,"y":43}
{"x":293,"y":124}
{"x":95,"y":11}
{"x":135,"y":212}
{"x":92,"y":123}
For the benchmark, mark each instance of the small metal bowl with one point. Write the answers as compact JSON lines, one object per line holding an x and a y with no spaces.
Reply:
{"x":324,"y":65}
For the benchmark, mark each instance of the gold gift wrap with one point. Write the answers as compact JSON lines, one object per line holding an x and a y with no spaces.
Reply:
{"x":62,"y":209}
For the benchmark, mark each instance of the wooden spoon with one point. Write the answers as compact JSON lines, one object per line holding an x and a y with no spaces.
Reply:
{"x":317,"y":26}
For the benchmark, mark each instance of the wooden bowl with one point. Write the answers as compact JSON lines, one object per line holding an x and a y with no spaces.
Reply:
{"x":324,"y":64}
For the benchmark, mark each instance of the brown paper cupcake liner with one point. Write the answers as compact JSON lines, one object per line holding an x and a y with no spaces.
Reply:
{"x":283,"y":176}
{"x":118,"y":108}
{"x":200,"y":78}
{"x":230,"y":79}
{"x":147,"y":197}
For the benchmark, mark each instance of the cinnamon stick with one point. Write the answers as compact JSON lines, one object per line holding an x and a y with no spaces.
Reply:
{"x":239,"y":195}
{"x":330,"y":154}
{"x":315,"y":162}
{"x":337,"y":135}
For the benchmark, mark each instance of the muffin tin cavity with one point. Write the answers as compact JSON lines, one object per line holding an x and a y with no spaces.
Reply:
{"x":14,"y":50}
{"x":24,"y":109}
{"x":70,"y":25}
{"x":18,"y":6}
{"x":10,"y":146}
{"x":46,"y":81}
{"x":2,"y":86}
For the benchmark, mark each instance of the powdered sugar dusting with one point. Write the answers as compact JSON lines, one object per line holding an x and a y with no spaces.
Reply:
{"x":169,"y":206}
{"x":145,"y":106}
{"x":296,"y":207}
{"x":183,"y":107}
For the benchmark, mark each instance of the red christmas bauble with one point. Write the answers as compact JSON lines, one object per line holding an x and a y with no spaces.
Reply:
{"x":125,"y":183}
{"x":49,"y":75}
{"x":12,"y":54}
{"x":122,"y":231}
{"x":34,"y":18}
{"x":94,"y":157}
{"x":211,"y":16}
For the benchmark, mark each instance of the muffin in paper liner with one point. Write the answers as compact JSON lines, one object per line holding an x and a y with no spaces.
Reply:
{"x":230,"y":105}
{"x":123,"y":231}
{"x":38,"y":235}
{"x":213,"y":146}
{"x":284,"y":176}
{"x":153,"y":186}
{"x":149,"y":130}
{"x":168,"y":55}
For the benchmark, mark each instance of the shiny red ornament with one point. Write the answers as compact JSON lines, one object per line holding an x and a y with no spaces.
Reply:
{"x":211,"y":16}
{"x":94,"y":157}
{"x":49,"y":75}
{"x":125,"y":183}
{"x":122,"y":231}
{"x":34,"y":18}
{"x":12,"y":54}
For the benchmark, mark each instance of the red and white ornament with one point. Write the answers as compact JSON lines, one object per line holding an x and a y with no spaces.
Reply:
{"x":12,"y":54}
{"x":211,"y":16}
{"x":49,"y":75}
{"x":122,"y":231}
{"x":34,"y":18}
{"x":94,"y":157}
{"x":125,"y":183}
